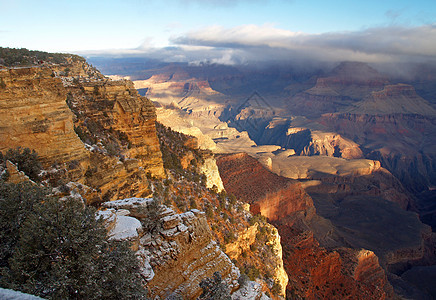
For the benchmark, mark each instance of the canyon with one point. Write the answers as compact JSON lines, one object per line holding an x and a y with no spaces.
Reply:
{"x":358,"y":147}
{"x":98,"y":142}
{"x":312,"y":187}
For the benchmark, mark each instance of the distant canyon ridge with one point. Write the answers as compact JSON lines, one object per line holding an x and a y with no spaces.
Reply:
{"x":349,"y":110}
{"x":359,"y":139}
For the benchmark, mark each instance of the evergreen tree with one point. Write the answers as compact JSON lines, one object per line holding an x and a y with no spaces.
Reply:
{"x":26,"y":160}
{"x":215,"y":288}
{"x":63,"y":253}
{"x":16,"y":202}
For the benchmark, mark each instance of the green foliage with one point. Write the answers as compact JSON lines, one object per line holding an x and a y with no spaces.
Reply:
{"x":229,"y":237}
{"x":16,"y":202}
{"x":214,"y":288}
{"x":252,"y":272}
{"x":26,"y":160}
{"x":151,"y":222}
{"x":192,"y":203}
{"x":61,"y":251}
{"x":243,"y":279}
{"x":23,"y":57}
{"x":257,"y":218}
{"x":173,"y":147}
{"x":208,"y":210}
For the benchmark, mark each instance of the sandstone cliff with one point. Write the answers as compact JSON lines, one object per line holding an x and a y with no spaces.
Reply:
{"x":113,"y":111}
{"x":272,"y":196}
{"x":34,"y":114}
{"x":177,"y":254}
{"x":210,"y":169}
{"x":291,"y":209}
{"x":84,"y":127}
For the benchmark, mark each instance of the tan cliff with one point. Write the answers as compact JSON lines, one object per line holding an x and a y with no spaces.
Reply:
{"x":117,"y":106}
{"x":84,"y":126}
{"x":34,"y":114}
{"x":271,"y":195}
{"x":177,"y":254}
{"x":245,"y":242}
{"x":314,"y":271}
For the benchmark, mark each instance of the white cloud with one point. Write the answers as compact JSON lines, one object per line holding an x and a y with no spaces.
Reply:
{"x":252,"y":43}
{"x":371,"y":45}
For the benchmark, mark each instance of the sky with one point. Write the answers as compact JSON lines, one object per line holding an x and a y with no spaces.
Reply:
{"x":225,"y":31}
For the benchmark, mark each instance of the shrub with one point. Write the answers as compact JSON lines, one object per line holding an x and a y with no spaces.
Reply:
{"x":16,"y":202}
{"x":242,"y":280}
{"x":214,"y":288}
{"x":276,"y":288}
{"x":26,"y":160}
{"x":152,"y":215}
{"x":192,"y":203}
{"x":61,"y":250}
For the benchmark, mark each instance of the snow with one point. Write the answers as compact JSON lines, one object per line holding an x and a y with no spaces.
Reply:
{"x":108,"y":215}
{"x":146,"y":269}
{"x":128,"y":202}
{"x":126,"y":228}
{"x":251,"y":290}
{"x":14,"y":295}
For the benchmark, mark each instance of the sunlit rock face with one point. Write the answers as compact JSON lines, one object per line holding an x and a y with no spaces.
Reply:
{"x":313,"y":270}
{"x":177,"y":254}
{"x":210,"y":169}
{"x":269,"y":194}
{"x":117,"y":108}
{"x":89,"y":128}
{"x":34,"y":114}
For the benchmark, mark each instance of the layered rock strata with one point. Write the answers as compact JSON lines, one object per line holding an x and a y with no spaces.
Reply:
{"x":272,"y":196}
{"x":324,"y":274}
{"x":34,"y":114}
{"x":177,"y":254}
{"x":116,"y":107}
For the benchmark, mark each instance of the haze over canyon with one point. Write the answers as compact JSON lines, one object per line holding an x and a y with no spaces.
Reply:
{"x":204,"y":149}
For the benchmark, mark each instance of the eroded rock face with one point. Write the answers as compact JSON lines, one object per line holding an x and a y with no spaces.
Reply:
{"x":313,"y":271}
{"x":329,"y":274}
{"x":247,"y":238}
{"x":115,"y":106}
{"x":210,"y":169}
{"x":178,"y":253}
{"x":34,"y":114}
{"x":269,"y":194}
{"x":48,"y":108}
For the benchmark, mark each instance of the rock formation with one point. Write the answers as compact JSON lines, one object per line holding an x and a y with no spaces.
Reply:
{"x":34,"y":114}
{"x":210,"y":169}
{"x":272,"y":196}
{"x":177,"y":254}
{"x":290,"y":208}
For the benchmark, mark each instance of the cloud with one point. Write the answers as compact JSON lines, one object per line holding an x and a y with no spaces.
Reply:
{"x":370,"y":45}
{"x":263,"y":44}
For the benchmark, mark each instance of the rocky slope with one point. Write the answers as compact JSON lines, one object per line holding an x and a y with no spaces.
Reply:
{"x":177,"y":254}
{"x":319,"y":133}
{"x":291,"y":209}
{"x":88,"y":128}
{"x":272,"y":196}
{"x":115,"y":129}
{"x":34,"y":114}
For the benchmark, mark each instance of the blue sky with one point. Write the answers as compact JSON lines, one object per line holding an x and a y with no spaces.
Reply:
{"x":80,"y":26}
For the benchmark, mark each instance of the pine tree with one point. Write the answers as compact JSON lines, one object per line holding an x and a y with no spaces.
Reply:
{"x":26,"y":160}
{"x":63,"y":253}
{"x":215,"y":288}
{"x":16,"y":202}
